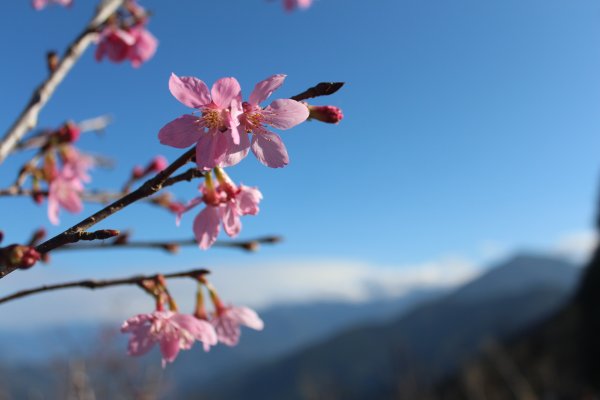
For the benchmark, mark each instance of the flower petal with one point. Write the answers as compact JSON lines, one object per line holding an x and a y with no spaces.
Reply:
{"x":169,"y":347}
{"x":206,"y":227}
{"x":211,"y":149}
{"x":189,"y":90}
{"x":263,"y":89}
{"x":269,"y":149}
{"x":285,"y":113}
{"x":181,"y":132}
{"x":224,"y":91}
{"x":248,"y":317}
{"x":231,"y":219}
{"x":248,"y":200}
{"x":237,"y":152}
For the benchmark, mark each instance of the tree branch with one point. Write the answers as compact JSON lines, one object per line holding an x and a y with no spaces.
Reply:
{"x":321,"y":89}
{"x":171,"y":245}
{"x":97,"y":284}
{"x":28,"y":118}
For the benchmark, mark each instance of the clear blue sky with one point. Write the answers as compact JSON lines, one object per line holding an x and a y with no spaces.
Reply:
{"x":465,"y":122}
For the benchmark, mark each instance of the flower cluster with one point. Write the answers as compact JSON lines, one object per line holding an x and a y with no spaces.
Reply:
{"x":174,"y":331}
{"x":224,"y":204}
{"x":221,"y":126}
{"x":39,"y":4}
{"x":127,"y":38}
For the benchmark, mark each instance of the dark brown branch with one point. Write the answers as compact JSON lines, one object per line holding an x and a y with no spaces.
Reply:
{"x":27,"y":120}
{"x":172,"y":245}
{"x":322,"y":89}
{"x":97,"y":284}
{"x":74,"y":233}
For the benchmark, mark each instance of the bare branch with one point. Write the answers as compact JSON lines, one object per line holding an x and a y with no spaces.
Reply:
{"x":322,"y":89}
{"x":170,"y":245}
{"x":97,"y":284}
{"x":28,"y":118}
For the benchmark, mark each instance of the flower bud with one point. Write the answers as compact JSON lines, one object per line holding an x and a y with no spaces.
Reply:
{"x":157,"y":164}
{"x":19,"y":256}
{"x":328,"y":114}
{"x":137,"y":172}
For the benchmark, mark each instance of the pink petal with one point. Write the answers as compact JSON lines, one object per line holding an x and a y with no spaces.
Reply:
{"x":228,"y":330}
{"x":237,"y":152}
{"x":231,"y":219}
{"x":140,"y":342}
{"x":224,"y":91}
{"x":181,"y":132}
{"x":211,"y":149}
{"x":263,"y":89}
{"x":248,"y":317}
{"x":169,"y":347}
{"x":248,"y":200}
{"x":206,"y":227}
{"x":269,"y":149}
{"x":189,"y":90}
{"x":144,"y":47}
{"x":285,"y":113}
{"x":53,"y":211}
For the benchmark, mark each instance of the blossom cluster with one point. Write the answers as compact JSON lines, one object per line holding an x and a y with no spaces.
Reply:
{"x":222,"y":122}
{"x":174,"y":331}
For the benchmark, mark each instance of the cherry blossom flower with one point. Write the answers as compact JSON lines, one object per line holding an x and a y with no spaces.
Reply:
{"x":290,"y":5}
{"x":215,"y":130}
{"x":282,"y":114}
{"x":135,"y":44}
{"x":171,"y":330}
{"x":224,"y":204}
{"x":228,"y":319}
{"x":64,"y":191}
{"x":39,"y":4}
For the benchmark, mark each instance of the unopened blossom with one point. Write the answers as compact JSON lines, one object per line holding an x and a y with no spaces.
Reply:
{"x":64,"y":191}
{"x":227,"y":321}
{"x":267,"y":146}
{"x":135,"y":44}
{"x":290,"y":5}
{"x":328,"y":114}
{"x":170,"y":330}
{"x":215,"y":130}
{"x":39,"y":4}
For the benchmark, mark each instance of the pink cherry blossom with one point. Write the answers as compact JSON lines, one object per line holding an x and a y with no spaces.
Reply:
{"x":64,"y":191}
{"x":290,"y":5}
{"x":228,"y":319}
{"x":215,"y":130}
{"x":135,"y":44}
{"x":39,"y":4}
{"x":224,"y":205}
{"x":282,"y":114}
{"x":172,"y":331}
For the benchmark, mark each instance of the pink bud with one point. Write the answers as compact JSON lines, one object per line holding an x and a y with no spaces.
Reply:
{"x":137,"y":172}
{"x":157,"y":164}
{"x":329,"y":114}
{"x":69,"y":132}
{"x":37,"y":197}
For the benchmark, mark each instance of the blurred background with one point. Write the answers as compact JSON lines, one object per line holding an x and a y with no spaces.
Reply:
{"x":450,"y":210}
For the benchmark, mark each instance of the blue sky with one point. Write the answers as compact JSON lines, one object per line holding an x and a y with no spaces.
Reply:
{"x":468,"y":124}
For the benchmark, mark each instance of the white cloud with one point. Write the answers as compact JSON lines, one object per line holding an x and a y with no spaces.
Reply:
{"x":576,"y":245}
{"x":255,"y":285}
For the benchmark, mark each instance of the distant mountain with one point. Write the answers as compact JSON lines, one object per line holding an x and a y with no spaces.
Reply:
{"x":288,"y":328}
{"x":393,"y":359}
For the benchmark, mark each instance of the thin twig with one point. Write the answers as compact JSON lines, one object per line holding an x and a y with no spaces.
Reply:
{"x":321,"y":89}
{"x":170,"y":245}
{"x":27,"y":120}
{"x":97,"y":284}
